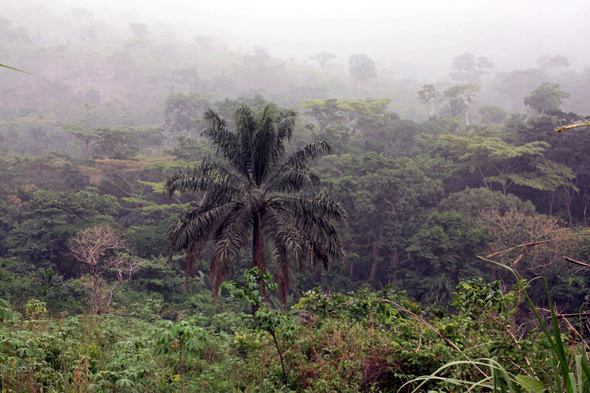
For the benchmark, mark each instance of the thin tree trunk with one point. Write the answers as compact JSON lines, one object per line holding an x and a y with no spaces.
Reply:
{"x":96,"y":289}
{"x":551,"y":201}
{"x":568,"y":202}
{"x":280,"y":356}
{"x":376,"y":245}
{"x":181,"y":376}
{"x":394,"y":261}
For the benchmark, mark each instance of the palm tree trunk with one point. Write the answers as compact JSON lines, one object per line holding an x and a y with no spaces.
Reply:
{"x":257,"y":247}
{"x":257,"y":254}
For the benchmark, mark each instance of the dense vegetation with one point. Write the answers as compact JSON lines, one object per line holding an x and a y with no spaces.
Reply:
{"x":371,"y":215}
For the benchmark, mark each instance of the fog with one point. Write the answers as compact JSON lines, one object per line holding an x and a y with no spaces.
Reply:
{"x":413,"y":39}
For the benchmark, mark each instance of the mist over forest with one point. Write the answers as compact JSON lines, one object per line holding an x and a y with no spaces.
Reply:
{"x":309,"y":196}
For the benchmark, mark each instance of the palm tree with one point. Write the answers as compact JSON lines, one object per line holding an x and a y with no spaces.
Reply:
{"x":252,"y":187}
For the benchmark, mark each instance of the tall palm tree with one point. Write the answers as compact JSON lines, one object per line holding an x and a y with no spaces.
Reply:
{"x":252,"y":187}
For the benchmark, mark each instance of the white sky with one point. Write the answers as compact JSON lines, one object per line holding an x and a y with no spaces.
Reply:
{"x":414,"y":37}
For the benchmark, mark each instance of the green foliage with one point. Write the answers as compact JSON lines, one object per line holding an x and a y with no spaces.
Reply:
{"x":475,"y":202}
{"x":444,"y":251}
{"x":492,"y":115}
{"x":182,"y":337}
{"x":323,"y":58}
{"x":50,"y":218}
{"x":5,"y":310}
{"x":364,"y":306}
{"x":362,"y":67}
{"x":333,"y":112}
{"x":565,"y":372}
{"x":496,"y":161}
{"x":428,"y":95}
{"x":475,"y":298}
{"x":387,"y":172}
{"x":467,"y":68}
{"x":275,"y":323}
{"x":255,"y":285}
{"x":460,"y":96}
{"x":546,"y":97}
{"x":181,"y":112}
{"x":190,"y":149}
{"x":115,"y":144}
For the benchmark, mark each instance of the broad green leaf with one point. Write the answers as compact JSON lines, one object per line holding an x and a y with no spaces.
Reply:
{"x":530,"y":384}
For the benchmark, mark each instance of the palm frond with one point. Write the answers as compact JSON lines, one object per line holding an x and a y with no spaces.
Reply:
{"x":281,"y":228}
{"x":307,"y":205}
{"x":233,"y":236}
{"x":279,"y":133}
{"x":293,"y":180}
{"x":196,"y":225}
{"x":285,"y":125}
{"x":281,"y":268}
{"x":180,"y":182}
{"x":302,"y":156}
{"x":317,"y":218}
{"x":284,"y":245}
{"x":16,"y":69}
{"x":192,"y":255}
{"x":228,"y":143}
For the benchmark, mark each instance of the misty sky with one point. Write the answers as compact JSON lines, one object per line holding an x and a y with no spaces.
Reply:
{"x":415,"y":38}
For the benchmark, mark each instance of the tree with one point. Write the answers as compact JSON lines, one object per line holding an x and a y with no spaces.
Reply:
{"x":118,"y":144}
{"x":204,"y":42}
{"x":181,"y":112}
{"x":551,"y":63}
{"x":492,"y":115}
{"x":546,"y":97}
{"x":323,"y":58}
{"x":86,"y":136}
{"x":515,"y":84}
{"x":495,"y":161}
{"x":253,"y":185}
{"x":49,"y":220}
{"x":467,"y":69}
{"x":139,"y":30}
{"x":81,"y":13}
{"x":362,"y":68}
{"x":460,"y":96}
{"x":444,"y":249}
{"x":332,"y":112}
{"x":122,"y":62}
{"x":474,"y":203}
{"x":428,"y":95}
{"x":384,"y":201}
{"x":105,"y":254}
{"x":260,"y":57}
{"x":187,"y":77}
